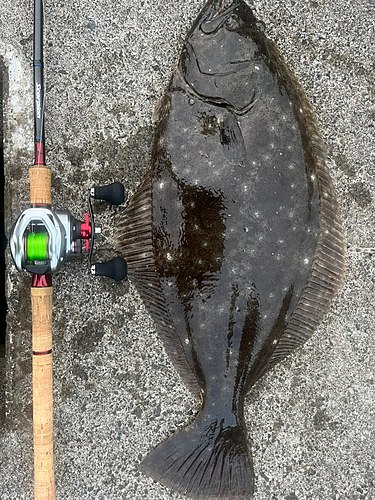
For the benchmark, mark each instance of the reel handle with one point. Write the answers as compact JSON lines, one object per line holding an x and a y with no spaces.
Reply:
{"x":115,"y":268}
{"x":113,"y":193}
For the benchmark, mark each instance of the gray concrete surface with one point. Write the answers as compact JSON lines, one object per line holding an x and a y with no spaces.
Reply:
{"x":311,"y":420}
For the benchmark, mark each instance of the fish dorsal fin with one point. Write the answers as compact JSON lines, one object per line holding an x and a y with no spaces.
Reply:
{"x":328,"y":268}
{"x":134,"y":243}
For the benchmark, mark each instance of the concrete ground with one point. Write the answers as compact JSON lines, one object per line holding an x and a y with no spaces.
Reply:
{"x":311,"y":420}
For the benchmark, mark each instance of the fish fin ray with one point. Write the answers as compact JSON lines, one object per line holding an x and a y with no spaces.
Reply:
{"x":134,"y":243}
{"x":203,"y":461}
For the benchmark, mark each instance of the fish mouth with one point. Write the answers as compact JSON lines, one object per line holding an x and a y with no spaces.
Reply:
{"x":218,"y":13}
{"x":216,"y":17}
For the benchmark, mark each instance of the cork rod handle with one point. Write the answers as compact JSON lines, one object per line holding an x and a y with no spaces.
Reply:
{"x":40,"y":185}
{"x":41,"y":301}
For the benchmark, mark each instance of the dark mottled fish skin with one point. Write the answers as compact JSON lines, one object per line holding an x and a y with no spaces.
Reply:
{"x":234,"y":239}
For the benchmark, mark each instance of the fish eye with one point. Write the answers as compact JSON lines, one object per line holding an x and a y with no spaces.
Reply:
{"x":232,"y":22}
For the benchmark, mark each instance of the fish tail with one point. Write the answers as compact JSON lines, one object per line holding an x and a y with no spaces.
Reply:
{"x":209,"y":459}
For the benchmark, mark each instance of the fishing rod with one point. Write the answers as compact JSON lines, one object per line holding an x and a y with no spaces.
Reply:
{"x":40,"y":241}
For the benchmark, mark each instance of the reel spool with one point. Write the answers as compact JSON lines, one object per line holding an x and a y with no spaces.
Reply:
{"x":42,"y":239}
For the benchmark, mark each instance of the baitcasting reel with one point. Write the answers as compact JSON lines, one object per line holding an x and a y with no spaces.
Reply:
{"x":42,"y":239}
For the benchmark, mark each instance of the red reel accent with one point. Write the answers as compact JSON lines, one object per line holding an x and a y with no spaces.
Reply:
{"x":41,"y":281}
{"x":86,"y":231}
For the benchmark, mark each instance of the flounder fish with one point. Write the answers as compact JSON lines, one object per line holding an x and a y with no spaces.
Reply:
{"x":233,"y":239}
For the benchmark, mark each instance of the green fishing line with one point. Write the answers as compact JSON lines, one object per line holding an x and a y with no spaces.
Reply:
{"x":36,"y":246}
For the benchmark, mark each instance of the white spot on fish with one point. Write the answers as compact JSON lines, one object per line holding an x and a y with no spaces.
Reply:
{"x":169,"y":256}
{"x":306,"y":261}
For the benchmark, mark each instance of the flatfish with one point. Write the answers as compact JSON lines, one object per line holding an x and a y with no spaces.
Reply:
{"x":233,"y":239}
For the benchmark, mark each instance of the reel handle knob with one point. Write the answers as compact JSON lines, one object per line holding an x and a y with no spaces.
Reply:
{"x":115,"y":269}
{"x":113,"y":193}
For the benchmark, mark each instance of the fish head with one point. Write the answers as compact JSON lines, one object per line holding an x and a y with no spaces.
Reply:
{"x":222,"y":60}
